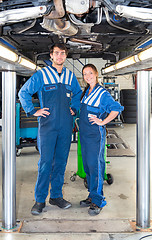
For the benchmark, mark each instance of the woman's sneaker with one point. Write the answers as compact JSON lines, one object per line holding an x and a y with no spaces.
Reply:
{"x":86,"y":202}
{"x":94,"y":209}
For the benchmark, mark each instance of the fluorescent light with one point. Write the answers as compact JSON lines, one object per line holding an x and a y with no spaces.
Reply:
{"x":109,"y":69}
{"x":145,"y":54}
{"x":26,"y":63}
{"x":136,"y":57}
{"x":126,"y":62}
{"x":8,"y":54}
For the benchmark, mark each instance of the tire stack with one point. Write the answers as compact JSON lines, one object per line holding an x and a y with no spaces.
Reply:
{"x":128,"y":98}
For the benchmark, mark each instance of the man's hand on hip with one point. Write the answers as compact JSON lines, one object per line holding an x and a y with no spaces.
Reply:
{"x":42,"y":112}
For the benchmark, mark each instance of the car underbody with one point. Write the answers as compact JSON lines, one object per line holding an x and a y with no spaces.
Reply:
{"x":107,"y":29}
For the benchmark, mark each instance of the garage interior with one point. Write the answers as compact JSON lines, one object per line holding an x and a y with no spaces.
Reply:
{"x":117,"y":220}
{"x":113,"y":219}
{"x":104,"y":45}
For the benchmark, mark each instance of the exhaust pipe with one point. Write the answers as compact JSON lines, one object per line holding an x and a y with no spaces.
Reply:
{"x":136,"y":13}
{"x":21,"y":14}
{"x":60,"y":27}
{"x":59,"y":11}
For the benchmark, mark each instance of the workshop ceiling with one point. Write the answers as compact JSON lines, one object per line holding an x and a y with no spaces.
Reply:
{"x":107,"y":29}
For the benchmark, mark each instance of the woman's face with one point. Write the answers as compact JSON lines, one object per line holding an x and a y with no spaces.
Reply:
{"x":90,"y":76}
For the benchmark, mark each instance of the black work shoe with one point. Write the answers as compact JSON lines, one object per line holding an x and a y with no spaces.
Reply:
{"x":94,"y":209}
{"x":86,"y":202}
{"x":60,"y":202}
{"x":37,"y":208}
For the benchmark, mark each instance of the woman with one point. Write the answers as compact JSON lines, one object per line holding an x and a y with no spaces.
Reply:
{"x":97,"y":109}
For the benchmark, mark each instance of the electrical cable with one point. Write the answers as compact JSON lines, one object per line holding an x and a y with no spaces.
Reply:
{"x":150,"y":235}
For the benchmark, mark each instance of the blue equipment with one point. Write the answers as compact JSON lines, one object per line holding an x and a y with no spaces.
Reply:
{"x":26,"y":128}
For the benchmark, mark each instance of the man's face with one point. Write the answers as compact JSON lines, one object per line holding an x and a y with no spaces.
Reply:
{"x":58,"y":56}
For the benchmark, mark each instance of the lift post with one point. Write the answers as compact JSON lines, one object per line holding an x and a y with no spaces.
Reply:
{"x":8,"y":149}
{"x":143,"y":149}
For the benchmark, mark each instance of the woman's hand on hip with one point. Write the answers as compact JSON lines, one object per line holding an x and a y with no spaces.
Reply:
{"x":95,"y":120}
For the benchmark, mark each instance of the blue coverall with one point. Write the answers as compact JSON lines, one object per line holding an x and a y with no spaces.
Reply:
{"x":92,"y":138}
{"x":58,"y":93}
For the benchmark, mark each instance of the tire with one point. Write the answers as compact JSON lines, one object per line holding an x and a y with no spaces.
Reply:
{"x":110,"y":178}
{"x":129,"y":114}
{"x":73,"y":178}
{"x":18,"y":152}
{"x":130,"y":108}
{"x":128,"y":93}
{"x":130,"y":102}
{"x":130,"y":120}
{"x":128,"y":98}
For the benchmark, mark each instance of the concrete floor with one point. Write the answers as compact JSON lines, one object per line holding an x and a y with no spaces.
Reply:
{"x":115,"y":217}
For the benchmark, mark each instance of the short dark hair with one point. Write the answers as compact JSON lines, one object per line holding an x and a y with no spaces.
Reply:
{"x":60,"y":46}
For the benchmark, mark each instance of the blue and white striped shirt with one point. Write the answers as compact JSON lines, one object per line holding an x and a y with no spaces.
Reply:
{"x":47,"y":76}
{"x":50,"y":76}
{"x":100,"y":100}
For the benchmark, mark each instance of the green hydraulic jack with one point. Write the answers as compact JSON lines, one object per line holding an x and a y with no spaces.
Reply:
{"x":81,"y":173}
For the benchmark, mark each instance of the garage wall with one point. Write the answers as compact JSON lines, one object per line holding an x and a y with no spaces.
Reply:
{"x":126,"y":81}
{"x":70,"y":64}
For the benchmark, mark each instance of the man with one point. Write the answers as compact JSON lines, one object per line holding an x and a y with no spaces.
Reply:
{"x":59,"y":95}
